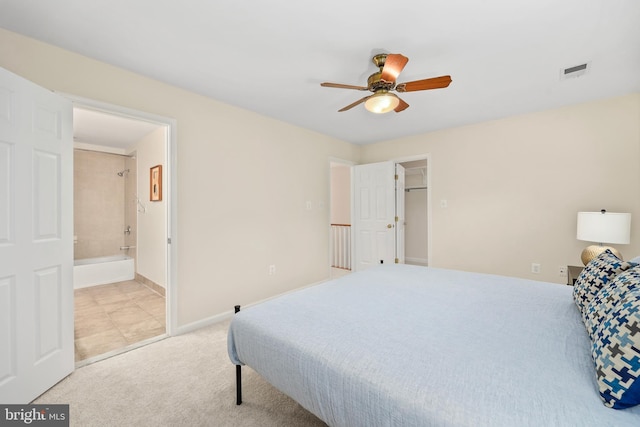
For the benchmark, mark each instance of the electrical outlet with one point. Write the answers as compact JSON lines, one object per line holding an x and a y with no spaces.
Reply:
{"x":535,"y":268}
{"x":562,"y":270}
{"x":272,"y":270}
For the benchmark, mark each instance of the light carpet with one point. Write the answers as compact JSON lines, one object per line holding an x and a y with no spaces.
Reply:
{"x":179,"y":381}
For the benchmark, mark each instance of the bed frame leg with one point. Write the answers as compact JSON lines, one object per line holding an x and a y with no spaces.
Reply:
{"x":238,"y":385}
{"x":238,"y":375}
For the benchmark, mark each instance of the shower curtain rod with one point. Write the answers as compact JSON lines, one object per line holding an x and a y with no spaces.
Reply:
{"x":131,"y":156}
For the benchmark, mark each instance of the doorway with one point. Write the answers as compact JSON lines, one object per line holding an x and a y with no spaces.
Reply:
{"x":117,"y":313}
{"x":340,"y":217}
{"x":416,"y":212}
{"x":416,"y":206}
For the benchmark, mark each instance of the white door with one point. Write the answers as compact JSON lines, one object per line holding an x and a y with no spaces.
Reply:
{"x":400,"y":216}
{"x":374,"y":214}
{"x":36,"y":244}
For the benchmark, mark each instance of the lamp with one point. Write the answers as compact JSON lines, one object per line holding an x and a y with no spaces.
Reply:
{"x":382,"y":102}
{"x":603,"y":227}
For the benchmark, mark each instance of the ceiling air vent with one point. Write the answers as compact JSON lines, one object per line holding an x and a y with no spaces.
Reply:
{"x":574,"y":71}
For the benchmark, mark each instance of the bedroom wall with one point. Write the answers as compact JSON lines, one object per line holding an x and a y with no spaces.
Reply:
{"x":242,"y":189}
{"x":514,"y":186}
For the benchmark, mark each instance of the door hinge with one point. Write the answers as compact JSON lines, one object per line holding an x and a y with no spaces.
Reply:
{"x":169,"y":240}
{"x":396,"y":219}
{"x":397,"y":261}
{"x":396,"y":177}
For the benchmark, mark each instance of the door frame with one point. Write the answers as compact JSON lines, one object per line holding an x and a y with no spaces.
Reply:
{"x":169,"y":193}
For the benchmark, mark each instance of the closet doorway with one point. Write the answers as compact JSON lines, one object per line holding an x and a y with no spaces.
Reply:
{"x":416,"y":209}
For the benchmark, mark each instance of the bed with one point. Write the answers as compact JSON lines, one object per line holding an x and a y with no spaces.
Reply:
{"x":402,"y":345}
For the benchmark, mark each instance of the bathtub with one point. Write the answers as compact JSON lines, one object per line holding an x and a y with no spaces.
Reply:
{"x":99,"y":271}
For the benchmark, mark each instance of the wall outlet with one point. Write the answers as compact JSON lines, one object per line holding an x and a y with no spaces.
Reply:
{"x":272,"y":270}
{"x":562,"y":270}
{"x":535,"y":267}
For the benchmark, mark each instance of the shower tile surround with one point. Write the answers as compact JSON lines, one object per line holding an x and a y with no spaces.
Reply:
{"x":109,"y":317}
{"x":99,"y":204}
{"x":131,"y":206}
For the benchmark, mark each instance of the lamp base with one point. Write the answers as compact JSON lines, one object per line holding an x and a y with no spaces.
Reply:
{"x":591,"y":252}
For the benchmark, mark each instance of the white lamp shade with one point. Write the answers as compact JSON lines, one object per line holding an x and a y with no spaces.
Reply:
{"x":382,"y":102}
{"x":607,"y":227}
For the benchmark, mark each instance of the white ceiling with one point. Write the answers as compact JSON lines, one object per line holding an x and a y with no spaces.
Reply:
{"x":505,"y":56}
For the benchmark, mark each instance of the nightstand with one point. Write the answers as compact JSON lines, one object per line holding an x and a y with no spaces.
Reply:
{"x":573,"y":271}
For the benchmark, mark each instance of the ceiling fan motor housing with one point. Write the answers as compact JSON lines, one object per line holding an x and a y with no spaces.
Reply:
{"x":375,"y":83}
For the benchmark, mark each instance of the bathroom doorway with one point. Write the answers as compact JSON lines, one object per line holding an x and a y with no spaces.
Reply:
{"x":121,"y":232}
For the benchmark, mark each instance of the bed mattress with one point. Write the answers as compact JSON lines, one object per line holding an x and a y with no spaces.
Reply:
{"x":402,"y":345}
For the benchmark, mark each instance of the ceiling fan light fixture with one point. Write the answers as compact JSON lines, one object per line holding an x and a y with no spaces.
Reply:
{"x":382,"y":102}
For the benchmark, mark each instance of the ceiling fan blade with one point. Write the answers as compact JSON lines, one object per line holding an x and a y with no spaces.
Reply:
{"x":402,"y":106}
{"x":393,"y":65}
{"x":426,"y":84}
{"x":341,"y":86}
{"x":350,"y":106}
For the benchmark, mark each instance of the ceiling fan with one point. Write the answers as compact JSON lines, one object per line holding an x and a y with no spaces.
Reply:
{"x":383,"y":82}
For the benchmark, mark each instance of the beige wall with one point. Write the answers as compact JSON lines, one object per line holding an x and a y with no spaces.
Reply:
{"x":513,"y":186}
{"x":243,"y":181}
{"x":98,"y":211}
{"x":340,"y":194}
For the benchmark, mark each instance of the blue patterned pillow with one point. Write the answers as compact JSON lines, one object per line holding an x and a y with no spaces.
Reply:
{"x":597,"y":272}
{"x":616,"y":353}
{"x":608,"y":297}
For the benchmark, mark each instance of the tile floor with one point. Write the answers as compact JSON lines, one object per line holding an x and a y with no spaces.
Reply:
{"x":109,"y":317}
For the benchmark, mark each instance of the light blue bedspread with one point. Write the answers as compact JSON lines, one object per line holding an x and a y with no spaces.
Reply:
{"x":402,"y":345}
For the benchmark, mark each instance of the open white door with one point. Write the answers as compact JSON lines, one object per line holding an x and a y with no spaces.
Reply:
{"x":36,"y":239}
{"x":374,"y":215}
{"x":400,"y":215}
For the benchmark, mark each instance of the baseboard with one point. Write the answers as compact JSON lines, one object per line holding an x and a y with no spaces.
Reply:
{"x":151,"y":284}
{"x":190,"y":327}
{"x":420,"y":261}
{"x":221,"y":317}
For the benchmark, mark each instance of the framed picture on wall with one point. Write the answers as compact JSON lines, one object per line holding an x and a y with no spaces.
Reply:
{"x":155,"y":183}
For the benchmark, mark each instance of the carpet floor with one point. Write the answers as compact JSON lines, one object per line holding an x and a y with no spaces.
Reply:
{"x":179,"y":381}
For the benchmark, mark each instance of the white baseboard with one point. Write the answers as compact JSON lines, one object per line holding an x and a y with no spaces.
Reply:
{"x":421,"y":261}
{"x":221,"y":317}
